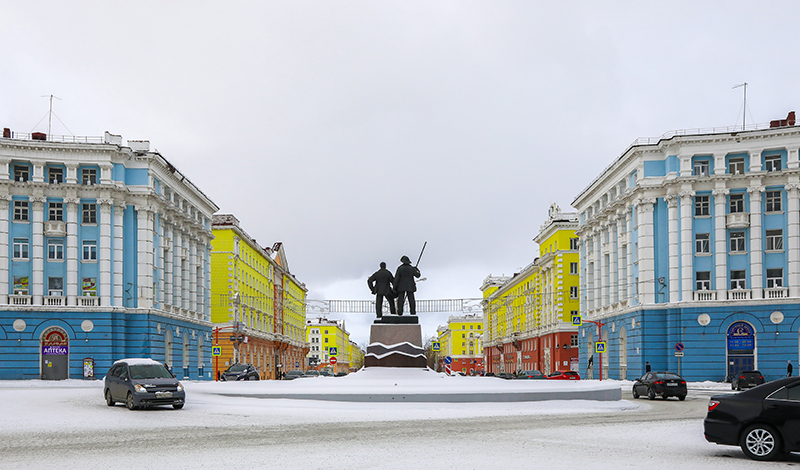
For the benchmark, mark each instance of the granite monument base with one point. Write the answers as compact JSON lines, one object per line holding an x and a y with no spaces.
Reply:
{"x":395,"y":345}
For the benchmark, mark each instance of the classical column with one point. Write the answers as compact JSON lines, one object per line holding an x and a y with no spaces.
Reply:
{"x":4,"y":169}
{"x":719,"y":163}
{"x":161,"y":261}
{"x":604,"y":274}
{"x":104,"y":252}
{"x":37,"y":249}
{"x":72,"y":173}
{"x":145,"y":256}
{"x":192,"y":274}
{"x":105,"y":173}
{"x":674,"y":248}
{"x":72,"y":281}
{"x":687,"y":248}
{"x":755,"y":160}
{"x":597,"y":291}
{"x":38,"y":173}
{"x":792,"y":162}
{"x":177,"y":266}
{"x":756,"y":246}
{"x":168,"y":262}
{"x":5,"y":204}
{"x":613,"y":236}
{"x":793,"y":238}
{"x":630,"y":289}
{"x":185,"y":280}
{"x":720,"y":243}
{"x":119,"y":235}
{"x":647,"y":292}
{"x":622,"y":262}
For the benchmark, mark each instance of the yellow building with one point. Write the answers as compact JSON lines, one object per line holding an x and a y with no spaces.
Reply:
{"x":356,"y":357}
{"x":528,"y":317}
{"x":461,"y":340}
{"x":326,"y":337}
{"x":257,"y":305}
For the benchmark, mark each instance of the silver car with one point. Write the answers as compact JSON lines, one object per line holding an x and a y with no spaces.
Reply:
{"x":140,"y":383}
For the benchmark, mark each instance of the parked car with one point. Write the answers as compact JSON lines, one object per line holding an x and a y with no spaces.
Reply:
{"x":340,"y":374}
{"x":564,"y":375}
{"x":292,"y":374}
{"x":311,"y":373}
{"x":504,"y":375}
{"x":488,"y":374}
{"x":240,"y":372}
{"x":140,"y":383}
{"x":763,"y":420}
{"x":660,"y":384}
{"x":530,"y":374}
{"x":746,"y":379}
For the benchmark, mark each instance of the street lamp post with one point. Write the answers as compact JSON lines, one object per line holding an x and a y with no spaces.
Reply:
{"x":599,"y":338}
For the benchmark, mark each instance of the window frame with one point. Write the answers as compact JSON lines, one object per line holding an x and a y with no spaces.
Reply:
{"x":55,"y":211}
{"x":734,"y":164}
{"x":22,"y":173}
{"x":88,"y":213}
{"x":773,"y":201}
{"x":738,"y":279}
{"x":701,"y":168}
{"x":741,"y":242}
{"x":773,"y":240}
{"x":91,"y":255}
{"x":88,"y":176}
{"x":20,"y":249}
{"x":702,"y":205}
{"x":55,"y":175}
{"x":702,"y":284}
{"x":736,"y":203}
{"x":22,"y":211}
{"x":55,"y":250}
{"x":770,"y":163}
{"x":771,"y":280}
{"x":706,"y":243}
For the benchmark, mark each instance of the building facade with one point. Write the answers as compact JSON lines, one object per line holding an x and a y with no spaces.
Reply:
{"x":528,"y":317}
{"x":258,"y":306}
{"x":104,"y":254}
{"x":461,"y":341}
{"x":326,"y":336}
{"x":690,"y":256}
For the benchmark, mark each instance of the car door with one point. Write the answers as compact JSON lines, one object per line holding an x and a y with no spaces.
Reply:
{"x":641,"y":389}
{"x":782,"y":410}
{"x":114,"y":385}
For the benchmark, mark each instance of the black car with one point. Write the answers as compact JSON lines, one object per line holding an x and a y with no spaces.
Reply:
{"x":746,"y":379}
{"x":764,"y":421}
{"x":140,"y":383}
{"x":240,"y":372}
{"x":292,"y":374}
{"x":504,"y":375}
{"x":660,"y":384}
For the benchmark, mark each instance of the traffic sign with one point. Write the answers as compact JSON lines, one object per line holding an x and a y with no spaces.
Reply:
{"x":448,"y":360}
{"x":679,"y":347}
{"x":600,"y":347}
{"x":577,"y":320}
{"x":332,"y":360}
{"x":216,"y":351}
{"x":437,"y":346}
{"x":678,"y":353}
{"x":333,"y":351}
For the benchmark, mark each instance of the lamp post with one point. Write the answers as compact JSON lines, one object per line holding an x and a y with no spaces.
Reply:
{"x":599,"y":338}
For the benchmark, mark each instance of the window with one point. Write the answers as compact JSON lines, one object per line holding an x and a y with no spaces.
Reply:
{"x":774,"y":278}
{"x":55,"y":175}
{"x":737,"y":203}
{"x":89,"y":287}
{"x":55,"y":250}
{"x":772,"y":163}
{"x":774,"y":240}
{"x":20,"y":248}
{"x":88,"y":176}
{"x":701,"y":168}
{"x":20,"y":285}
{"x":774,"y":201}
{"x":89,"y":213}
{"x":573,"y":292}
{"x":737,"y":242}
{"x":21,"y":210}
{"x":703,"y":280}
{"x":55,"y":286}
{"x":21,"y":173}
{"x":736,"y":166}
{"x":326,"y":340}
{"x":90,"y":250}
{"x":737,"y":280}
{"x":573,"y":341}
{"x":701,"y":206}
{"x":702,"y":243}
{"x":56,"y":211}
{"x":573,"y":268}
{"x":573,"y":243}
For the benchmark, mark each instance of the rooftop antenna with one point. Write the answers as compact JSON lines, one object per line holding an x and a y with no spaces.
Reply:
{"x":744,"y":109}
{"x":50,"y":115}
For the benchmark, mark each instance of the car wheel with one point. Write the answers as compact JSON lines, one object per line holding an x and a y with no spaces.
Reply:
{"x":739,"y":387}
{"x":733,"y":387}
{"x":681,"y":397}
{"x":178,"y":406}
{"x":129,"y":402}
{"x":109,"y":400}
{"x":760,"y":442}
{"x":651,"y":394}
{"x":635,"y":393}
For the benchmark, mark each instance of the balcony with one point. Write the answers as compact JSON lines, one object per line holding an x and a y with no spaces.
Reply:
{"x":88,"y":301}
{"x":740,"y":294}
{"x":705,"y":295}
{"x":738,"y":220}
{"x":20,"y":300}
{"x":55,"y":301}
{"x":776,"y":293}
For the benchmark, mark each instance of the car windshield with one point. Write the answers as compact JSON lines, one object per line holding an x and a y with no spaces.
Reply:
{"x":150,"y":371}
{"x":668,"y":376}
{"x":237,"y":368}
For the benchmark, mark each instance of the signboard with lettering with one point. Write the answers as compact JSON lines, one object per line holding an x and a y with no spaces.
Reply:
{"x":55,"y":350}
{"x":741,"y":337}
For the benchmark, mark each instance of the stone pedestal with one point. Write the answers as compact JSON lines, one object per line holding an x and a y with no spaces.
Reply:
{"x":393,"y":345}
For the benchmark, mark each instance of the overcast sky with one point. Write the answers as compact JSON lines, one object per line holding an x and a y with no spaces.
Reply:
{"x":353,"y":132}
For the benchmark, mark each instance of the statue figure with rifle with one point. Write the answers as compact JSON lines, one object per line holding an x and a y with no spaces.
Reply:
{"x":405,"y":284}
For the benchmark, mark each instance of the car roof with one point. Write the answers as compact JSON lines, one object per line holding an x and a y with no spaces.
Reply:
{"x":137,"y":360}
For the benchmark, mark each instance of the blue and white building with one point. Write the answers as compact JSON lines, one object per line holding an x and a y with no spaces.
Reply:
{"x":692,"y":243}
{"x":104,"y":254}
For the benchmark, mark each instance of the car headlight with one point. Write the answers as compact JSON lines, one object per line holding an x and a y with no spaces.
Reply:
{"x":140,"y":388}
{"x":180,"y":387}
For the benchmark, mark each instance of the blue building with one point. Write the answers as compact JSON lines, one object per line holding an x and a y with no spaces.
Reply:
{"x":690,"y":256}
{"x":104,"y":254}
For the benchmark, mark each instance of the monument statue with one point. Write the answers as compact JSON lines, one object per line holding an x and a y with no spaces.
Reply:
{"x":380,"y":283}
{"x":405,"y":285}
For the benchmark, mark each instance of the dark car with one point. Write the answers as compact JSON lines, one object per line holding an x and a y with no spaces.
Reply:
{"x":746,"y":379}
{"x":564,"y":375}
{"x":764,"y":421}
{"x":292,"y":374}
{"x":141,"y":383}
{"x":530,"y":374}
{"x":660,"y":384}
{"x":240,"y":372}
{"x":504,"y":375}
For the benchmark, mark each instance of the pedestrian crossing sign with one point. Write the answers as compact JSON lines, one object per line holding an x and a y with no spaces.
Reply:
{"x":600,"y":347}
{"x":216,"y":351}
{"x":576,"y":320}
{"x":333,"y":351}
{"x":437,"y":346}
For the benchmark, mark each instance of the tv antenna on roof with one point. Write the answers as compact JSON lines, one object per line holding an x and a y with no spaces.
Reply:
{"x":50,"y":114}
{"x":744,"y":108}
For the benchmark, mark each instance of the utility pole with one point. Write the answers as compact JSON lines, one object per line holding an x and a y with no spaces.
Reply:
{"x":50,"y":115}
{"x":744,"y":108}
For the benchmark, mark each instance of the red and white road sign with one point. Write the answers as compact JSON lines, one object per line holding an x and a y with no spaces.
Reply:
{"x":332,"y":360}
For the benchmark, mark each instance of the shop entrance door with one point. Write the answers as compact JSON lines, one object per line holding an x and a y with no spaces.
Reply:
{"x":741,"y":348}
{"x":55,"y":354}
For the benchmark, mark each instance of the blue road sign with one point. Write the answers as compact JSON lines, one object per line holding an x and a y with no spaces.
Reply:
{"x":448,"y":360}
{"x":333,"y":351}
{"x":679,"y":347}
{"x":437,"y":346}
{"x":600,"y":347}
{"x":576,"y":320}
{"x":216,"y":351}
